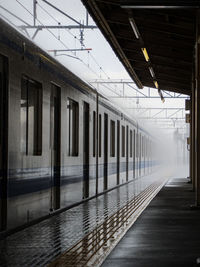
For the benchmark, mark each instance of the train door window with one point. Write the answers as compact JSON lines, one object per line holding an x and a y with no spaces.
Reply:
{"x":99,"y":135}
{"x":123,"y":141}
{"x":112,"y":138}
{"x":131,"y":143}
{"x":73,"y":127}
{"x":94,"y":133}
{"x":31,"y":117}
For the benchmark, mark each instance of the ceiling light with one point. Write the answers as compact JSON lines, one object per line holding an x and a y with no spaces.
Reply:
{"x":160,"y":94}
{"x":134,"y":27}
{"x":152,"y":72}
{"x":157,"y":7}
{"x":162,"y":99}
{"x":144,"y":51}
{"x":156,"y":84}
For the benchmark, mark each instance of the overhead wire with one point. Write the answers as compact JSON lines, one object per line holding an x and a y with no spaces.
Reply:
{"x":94,"y":72}
{"x":56,"y":37}
{"x":89,"y":53}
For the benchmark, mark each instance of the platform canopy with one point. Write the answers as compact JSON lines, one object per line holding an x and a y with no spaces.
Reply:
{"x":154,"y":39}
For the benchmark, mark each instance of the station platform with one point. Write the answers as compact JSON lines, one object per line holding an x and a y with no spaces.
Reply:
{"x":42,"y":243}
{"x":165,"y":235}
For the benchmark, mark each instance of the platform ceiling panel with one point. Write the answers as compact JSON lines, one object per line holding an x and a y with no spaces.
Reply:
{"x":165,"y":28}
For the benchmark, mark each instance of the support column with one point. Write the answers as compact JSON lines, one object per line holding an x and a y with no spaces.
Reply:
{"x":197,"y":111}
{"x":192,"y":146}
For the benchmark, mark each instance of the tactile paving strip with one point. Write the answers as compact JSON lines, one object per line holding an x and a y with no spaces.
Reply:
{"x":93,"y":248}
{"x":43,"y":242}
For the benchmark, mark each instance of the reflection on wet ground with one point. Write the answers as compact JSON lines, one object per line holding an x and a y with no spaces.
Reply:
{"x":41,"y":243}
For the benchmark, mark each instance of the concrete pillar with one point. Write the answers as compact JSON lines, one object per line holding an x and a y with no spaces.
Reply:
{"x":197,"y":111}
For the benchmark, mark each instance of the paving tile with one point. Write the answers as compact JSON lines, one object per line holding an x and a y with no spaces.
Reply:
{"x":165,"y":235}
{"x":41,"y":243}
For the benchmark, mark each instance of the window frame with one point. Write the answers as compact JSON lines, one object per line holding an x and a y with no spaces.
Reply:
{"x":123,"y":145}
{"x":112,"y":138}
{"x":38,"y":116}
{"x":73,"y":125}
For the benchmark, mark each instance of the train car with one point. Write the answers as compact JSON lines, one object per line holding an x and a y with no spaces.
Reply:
{"x":61,"y":142}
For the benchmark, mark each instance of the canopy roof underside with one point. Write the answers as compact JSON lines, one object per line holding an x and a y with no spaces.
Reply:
{"x":167,"y":32}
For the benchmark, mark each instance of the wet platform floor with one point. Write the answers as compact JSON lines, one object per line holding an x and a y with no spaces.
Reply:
{"x":39,"y":244}
{"x":167,"y":234}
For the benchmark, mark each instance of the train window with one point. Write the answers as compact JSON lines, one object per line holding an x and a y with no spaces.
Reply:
{"x":123,"y":141}
{"x":112,"y":138}
{"x":134,"y":146}
{"x":99,"y":135}
{"x":31,"y":116}
{"x":137,"y":145}
{"x":73,"y":127}
{"x":142,"y":145}
{"x":127,"y":135}
{"x":131,"y":143}
{"x":145,"y":147}
{"x":94,"y":133}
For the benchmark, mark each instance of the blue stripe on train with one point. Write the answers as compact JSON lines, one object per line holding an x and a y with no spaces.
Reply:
{"x":26,"y":181}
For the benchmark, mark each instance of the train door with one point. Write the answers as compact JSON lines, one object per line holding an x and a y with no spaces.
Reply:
{"x":134,"y":154}
{"x":144,"y":155}
{"x":3,"y":140}
{"x":140,"y":153}
{"x":105,"y":151}
{"x":127,"y":151}
{"x":118,"y":151}
{"x":55,"y":135}
{"x":86,"y":148}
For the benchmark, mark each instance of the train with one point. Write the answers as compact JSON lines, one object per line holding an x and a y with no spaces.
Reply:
{"x":61,"y":142}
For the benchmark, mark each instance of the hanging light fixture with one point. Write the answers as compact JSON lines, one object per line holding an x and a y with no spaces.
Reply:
{"x":134,"y":27}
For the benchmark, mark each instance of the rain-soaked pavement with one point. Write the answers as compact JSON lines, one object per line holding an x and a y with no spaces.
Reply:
{"x":165,"y":235}
{"x":41,"y":243}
